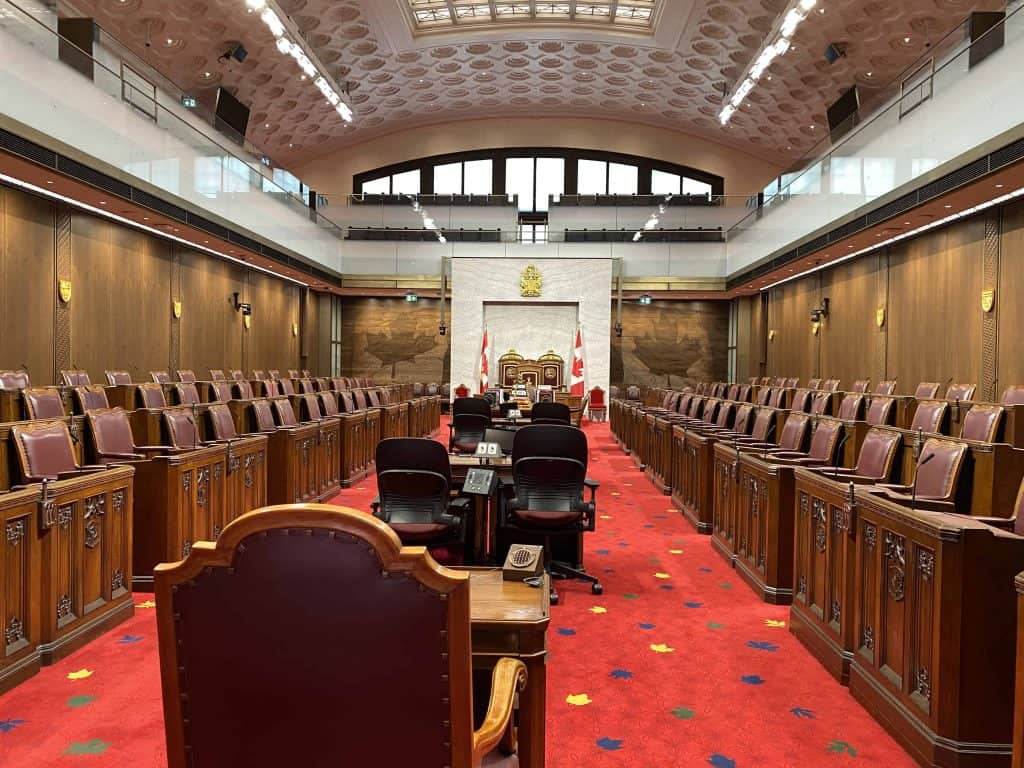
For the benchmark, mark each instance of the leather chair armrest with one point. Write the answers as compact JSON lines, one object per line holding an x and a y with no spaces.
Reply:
{"x":801,"y":461}
{"x":894,"y":488}
{"x":460,"y":506}
{"x":845,"y":474}
{"x":790,"y":454}
{"x":124,"y":456}
{"x":158,"y":449}
{"x":922,"y":505}
{"x":592,"y":486}
{"x":509,"y":678}
{"x":375,"y":505}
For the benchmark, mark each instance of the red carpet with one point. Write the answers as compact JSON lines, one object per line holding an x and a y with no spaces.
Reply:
{"x":677,"y":664}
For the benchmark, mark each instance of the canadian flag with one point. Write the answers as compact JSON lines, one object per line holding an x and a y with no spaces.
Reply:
{"x":576,"y":378}
{"x":484,"y":354}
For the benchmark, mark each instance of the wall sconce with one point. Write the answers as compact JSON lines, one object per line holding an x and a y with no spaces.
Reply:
{"x":442,"y":328}
{"x":618,"y":330}
{"x":644,"y":299}
{"x":295,"y":329}
{"x":819,"y":313}
{"x":176,"y":309}
{"x":771,"y":335}
{"x":242,"y":306}
{"x":815,"y":327}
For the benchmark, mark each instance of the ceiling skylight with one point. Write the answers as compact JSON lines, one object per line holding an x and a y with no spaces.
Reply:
{"x":443,"y":15}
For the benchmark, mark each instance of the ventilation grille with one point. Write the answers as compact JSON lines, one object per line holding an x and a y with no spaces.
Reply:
{"x":245,"y":242}
{"x":955,"y":179}
{"x":894,"y":208}
{"x":99,"y":180}
{"x":1007,"y":155}
{"x":208,"y":226}
{"x":27,"y":149}
{"x":160,"y":206}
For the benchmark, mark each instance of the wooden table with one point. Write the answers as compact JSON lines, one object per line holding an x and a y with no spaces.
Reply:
{"x":510,"y":618}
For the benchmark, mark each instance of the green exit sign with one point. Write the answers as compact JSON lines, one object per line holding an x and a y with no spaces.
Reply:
{"x":188,"y":101}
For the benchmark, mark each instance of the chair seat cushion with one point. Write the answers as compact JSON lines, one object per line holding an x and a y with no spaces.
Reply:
{"x":498,"y":760}
{"x":539,"y":518}
{"x":416,"y":533}
{"x":466,"y":446}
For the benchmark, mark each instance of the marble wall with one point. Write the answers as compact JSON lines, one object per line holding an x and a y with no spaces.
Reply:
{"x":574,"y":290}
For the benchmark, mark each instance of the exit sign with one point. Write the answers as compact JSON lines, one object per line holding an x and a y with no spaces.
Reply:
{"x":188,"y":101}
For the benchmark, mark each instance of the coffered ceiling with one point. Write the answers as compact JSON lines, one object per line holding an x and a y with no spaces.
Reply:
{"x":399,"y":75}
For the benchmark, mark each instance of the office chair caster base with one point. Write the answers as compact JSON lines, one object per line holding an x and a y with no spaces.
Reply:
{"x":553,"y":597}
{"x":596,"y":589}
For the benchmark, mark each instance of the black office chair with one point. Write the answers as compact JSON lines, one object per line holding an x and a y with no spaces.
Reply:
{"x":414,"y":480}
{"x":471,"y":416}
{"x":549,"y":473}
{"x":550,"y":413}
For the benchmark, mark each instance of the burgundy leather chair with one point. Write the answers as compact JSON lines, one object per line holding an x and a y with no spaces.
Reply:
{"x":347,"y":402}
{"x":112,"y":441}
{"x":275,"y":374}
{"x":927,"y":390}
{"x":186,"y":393}
{"x":237,"y":375}
{"x":598,"y":408}
{"x":831,"y":385}
{"x":285,"y":385}
{"x":242,"y":389}
{"x":417,"y":389}
{"x":777,"y":398}
{"x":160,"y":377}
{"x":217,"y":374}
{"x":764,"y":395}
{"x":43,"y":403}
{"x":937,"y":473}
{"x":45,"y":452}
{"x":742,"y":422}
{"x":743,"y":396}
{"x":852,"y":407}
{"x":258,"y":375}
{"x":814,"y":384}
{"x":306,"y":374}
{"x":759,"y":432}
{"x":222,"y":424}
{"x":182,"y":430}
{"x":632,"y":392}
{"x":14,"y":380}
{"x":220,"y":391}
{"x":186,"y":376}
{"x":151,"y":395}
{"x":306,"y":387}
{"x":793,"y":437}
{"x":874,"y":462}
{"x":90,"y":397}
{"x":114,"y":378}
{"x":880,"y":412}
{"x":285,"y":414}
{"x":791,"y":383}
{"x":822,"y":449}
{"x":328,"y":403}
{"x":861,"y":386}
{"x":822,"y":403}
{"x":961,"y":392}
{"x":886,"y":388}
{"x":930,"y":416}
{"x":74,"y":378}
{"x":386,"y":621}
{"x":293,"y":374}
{"x":1013,"y":395}
{"x":983,"y":423}
{"x":801,"y":400}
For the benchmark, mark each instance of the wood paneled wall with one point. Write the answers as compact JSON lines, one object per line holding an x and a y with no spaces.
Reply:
{"x":934,"y":328}
{"x":393,"y":339}
{"x":120,"y":313}
{"x":671,"y":343}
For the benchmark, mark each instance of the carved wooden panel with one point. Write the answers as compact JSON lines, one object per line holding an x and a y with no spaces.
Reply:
{"x":990,"y":320}
{"x":671,"y":344}
{"x":19,"y":587}
{"x":393,"y":339}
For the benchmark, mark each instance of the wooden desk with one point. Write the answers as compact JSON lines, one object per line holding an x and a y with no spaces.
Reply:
{"x":509,"y":618}
{"x":483,"y":523}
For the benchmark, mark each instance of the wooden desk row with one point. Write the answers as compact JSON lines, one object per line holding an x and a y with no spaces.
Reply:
{"x":65,"y":568}
{"x":913,"y":610}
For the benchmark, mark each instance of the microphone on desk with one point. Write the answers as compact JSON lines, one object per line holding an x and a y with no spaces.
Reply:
{"x":917,"y":474}
{"x":839,"y":453}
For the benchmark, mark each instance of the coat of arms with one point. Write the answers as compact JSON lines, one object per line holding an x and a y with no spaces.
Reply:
{"x":176,"y":309}
{"x":530,"y":282}
{"x":880,"y":317}
{"x":988,"y":300}
{"x":64,"y":289}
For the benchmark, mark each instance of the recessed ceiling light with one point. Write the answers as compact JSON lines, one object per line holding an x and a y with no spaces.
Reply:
{"x":906,"y":39}
{"x":999,"y":186}
{"x":949,"y":206}
{"x":870,"y":74}
{"x":103,"y":202}
{"x":145,"y":218}
{"x":170,"y":41}
{"x":49,"y":181}
{"x":206,"y":74}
